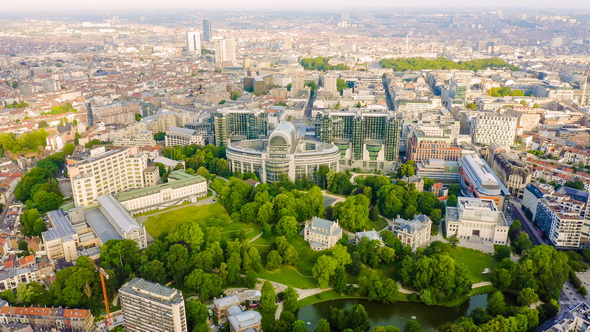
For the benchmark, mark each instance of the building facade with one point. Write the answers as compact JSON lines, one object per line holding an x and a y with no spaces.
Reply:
{"x":237,"y":125}
{"x":187,"y":188}
{"x":50,"y":319}
{"x":366,"y":139}
{"x":183,"y":136}
{"x":487,"y":128}
{"x":515,"y":174}
{"x":123,"y":223}
{"x":477,"y":220}
{"x":563,"y":226}
{"x":413,"y":233}
{"x":479,"y":180}
{"x":422,"y":147}
{"x":106,"y":173}
{"x":285,"y":152}
{"x":322,"y":234}
{"x":148,"y":306}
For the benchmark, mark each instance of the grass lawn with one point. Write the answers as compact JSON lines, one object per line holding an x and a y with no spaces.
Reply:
{"x":377,"y":225}
{"x":163,"y":223}
{"x":289,"y":276}
{"x":475,"y":261}
{"x":218,"y":185}
{"x":325,"y":296}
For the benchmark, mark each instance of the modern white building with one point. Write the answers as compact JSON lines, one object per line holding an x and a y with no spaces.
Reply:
{"x":285,"y":152}
{"x":148,"y":306}
{"x":478,"y":220}
{"x":106,"y":173}
{"x":225,"y":51}
{"x":111,"y":221}
{"x":479,"y":180}
{"x":413,"y":233}
{"x":490,"y":127}
{"x":322,"y":234}
{"x":193,"y":42}
{"x":181,"y":187}
{"x":183,"y":136}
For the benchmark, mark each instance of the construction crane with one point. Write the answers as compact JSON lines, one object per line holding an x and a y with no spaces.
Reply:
{"x":103,"y":275}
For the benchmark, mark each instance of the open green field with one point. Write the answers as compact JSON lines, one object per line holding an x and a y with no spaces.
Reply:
{"x":289,"y":276}
{"x":475,"y":261}
{"x":218,"y":185}
{"x":164,"y":222}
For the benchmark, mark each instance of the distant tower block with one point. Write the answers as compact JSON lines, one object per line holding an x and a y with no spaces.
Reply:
{"x":288,"y":42}
{"x":207,"y":34}
{"x":193,"y":42}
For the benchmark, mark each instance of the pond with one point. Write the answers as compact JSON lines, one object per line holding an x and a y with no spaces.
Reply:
{"x":396,"y":314}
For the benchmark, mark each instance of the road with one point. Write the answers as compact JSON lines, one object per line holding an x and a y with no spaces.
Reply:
{"x":515,"y":210}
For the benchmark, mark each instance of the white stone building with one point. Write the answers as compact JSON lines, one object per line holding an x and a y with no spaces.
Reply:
{"x":413,"y":233}
{"x":322,"y":234}
{"x":476,"y":219}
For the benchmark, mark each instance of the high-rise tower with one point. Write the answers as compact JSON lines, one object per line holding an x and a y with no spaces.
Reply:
{"x":207,"y":30}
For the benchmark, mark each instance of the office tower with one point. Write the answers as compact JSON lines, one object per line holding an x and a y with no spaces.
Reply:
{"x":297,"y":84}
{"x":366,"y":139}
{"x":288,"y":42}
{"x":423,"y":145}
{"x":479,"y":181}
{"x":330,"y":84}
{"x":105,"y":172}
{"x":193,"y":42}
{"x":235,"y":125}
{"x":225,"y":51}
{"x":148,"y":306}
{"x":207,"y":34}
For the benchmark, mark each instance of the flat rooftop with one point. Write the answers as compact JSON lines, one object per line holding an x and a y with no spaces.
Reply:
{"x":152,"y":291}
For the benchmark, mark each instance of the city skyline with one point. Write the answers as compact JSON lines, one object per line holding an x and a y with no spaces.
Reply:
{"x":36,"y":6}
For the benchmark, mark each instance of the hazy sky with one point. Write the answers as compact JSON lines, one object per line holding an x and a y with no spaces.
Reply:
{"x":303,"y":5}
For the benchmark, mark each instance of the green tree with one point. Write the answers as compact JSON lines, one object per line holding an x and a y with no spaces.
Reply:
{"x":287,"y":227}
{"x":268,"y":298}
{"x":196,"y":313}
{"x":8,"y":295}
{"x":341,"y":85}
{"x":323,"y":326}
{"x":290,"y":298}
{"x":353,"y":213}
{"x":527,"y":296}
{"x":273,"y":260}
{"x":323,"y":270}
{"x":235,"y":94}
{"x":502,"y":252}
{"x":187,"y":232}
{"x":412,"y":325}
{"x":496,"y":304}
{"x":154,"y":271}
{"x":159,"y":136}
{"x":178,"y":262}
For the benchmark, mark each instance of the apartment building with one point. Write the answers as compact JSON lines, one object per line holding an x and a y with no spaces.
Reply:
{"x":562,"y":224}
{"x":183,"y":136}
{"x":116,"y":113}
{"x":366,"y":139}
{"x":515,"y":174}
{"x":479,"y":180}
{"x":488,"y":127}
{"x":322,"y":234}
{"x":479,"y":220}
{"x":151,"y":176}
{"x":439,"y":169}
{"x":148,"y":306}
{"x":186,"y":188}
{"x":105,"y":173}
{"x":415,"y":232}
{"x":48,"y":319}
{"x":142,"y":138}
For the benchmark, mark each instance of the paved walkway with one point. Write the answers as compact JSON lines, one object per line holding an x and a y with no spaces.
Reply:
{"x":255,"y":238}
{"x":482,"y":284}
